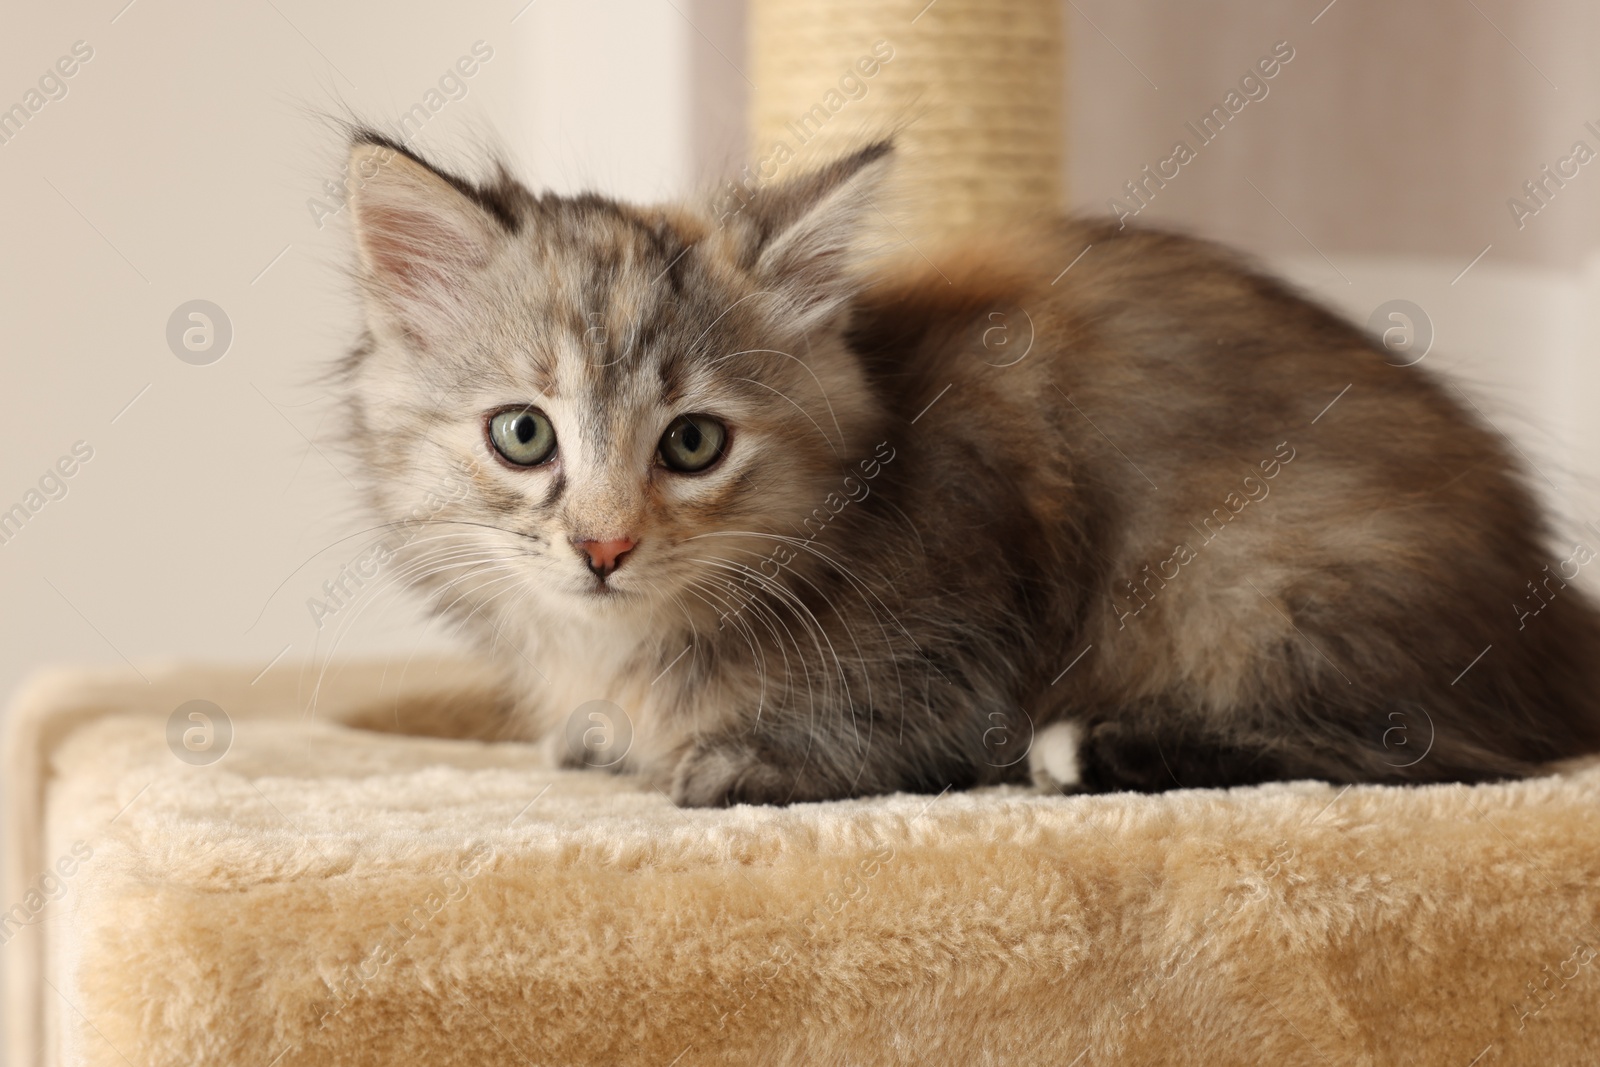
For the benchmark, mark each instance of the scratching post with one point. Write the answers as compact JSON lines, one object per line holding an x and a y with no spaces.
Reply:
{"x":973,"y":87}
{"x":324,"y":896}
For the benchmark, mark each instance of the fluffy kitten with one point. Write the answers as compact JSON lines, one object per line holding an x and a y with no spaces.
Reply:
{"x":822,"y":532}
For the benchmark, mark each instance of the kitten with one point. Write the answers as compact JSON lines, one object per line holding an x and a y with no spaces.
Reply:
{"x":821,"y":531}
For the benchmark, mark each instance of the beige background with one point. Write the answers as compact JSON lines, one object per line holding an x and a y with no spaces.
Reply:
{"x":180,"y":164}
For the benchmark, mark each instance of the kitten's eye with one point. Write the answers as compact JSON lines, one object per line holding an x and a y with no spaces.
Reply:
{"x":692,"y":443}
{"x":523,"y":436}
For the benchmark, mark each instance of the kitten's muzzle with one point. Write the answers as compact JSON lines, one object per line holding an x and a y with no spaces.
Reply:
{"x":603,"y":557}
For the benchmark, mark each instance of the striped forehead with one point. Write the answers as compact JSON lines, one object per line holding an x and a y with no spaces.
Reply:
{"x":629,"y":317}
{"x":616,"y":297}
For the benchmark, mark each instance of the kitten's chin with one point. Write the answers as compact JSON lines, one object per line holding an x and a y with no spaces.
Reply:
{"x":603,"y":596}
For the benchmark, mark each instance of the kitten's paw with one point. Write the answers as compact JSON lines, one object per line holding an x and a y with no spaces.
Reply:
{"x":1056,"y":759}
{"x":558,"y":753}
{"x":719,"y":774}
{"x":1114,"y":757}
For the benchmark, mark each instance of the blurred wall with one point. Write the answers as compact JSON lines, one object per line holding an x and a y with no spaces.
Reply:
{"x":1396,"y":128}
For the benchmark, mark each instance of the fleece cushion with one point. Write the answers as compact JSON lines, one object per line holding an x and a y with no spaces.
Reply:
{"x":322,"y":894}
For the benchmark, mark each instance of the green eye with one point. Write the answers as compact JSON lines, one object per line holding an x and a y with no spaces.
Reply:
{"x":692,"y":443}
{"x":523,"y":436}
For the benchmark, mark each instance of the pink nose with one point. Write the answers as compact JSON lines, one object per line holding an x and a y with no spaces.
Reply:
{"x":605,"y":556}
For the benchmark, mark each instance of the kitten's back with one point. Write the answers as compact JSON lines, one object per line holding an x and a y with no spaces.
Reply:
{"x":1272,"y":539}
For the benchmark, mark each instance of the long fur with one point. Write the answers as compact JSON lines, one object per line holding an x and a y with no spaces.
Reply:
{"x":1161,"y":497}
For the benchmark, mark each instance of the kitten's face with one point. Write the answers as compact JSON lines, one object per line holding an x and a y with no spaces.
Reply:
{"x":641,"y":396}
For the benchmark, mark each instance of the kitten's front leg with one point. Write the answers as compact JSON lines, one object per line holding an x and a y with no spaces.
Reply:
{"x":718,"y":772}
{"x":760,"y":767}
{"x":721,"y":770}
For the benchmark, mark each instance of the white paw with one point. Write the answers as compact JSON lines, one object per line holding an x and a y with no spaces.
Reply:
{"x":1053,"y":760}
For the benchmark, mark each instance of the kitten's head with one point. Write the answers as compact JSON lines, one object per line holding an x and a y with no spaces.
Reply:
{"x":641,"y":397}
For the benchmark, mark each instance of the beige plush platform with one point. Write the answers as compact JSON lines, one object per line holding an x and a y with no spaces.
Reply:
{"x":323,"y":895}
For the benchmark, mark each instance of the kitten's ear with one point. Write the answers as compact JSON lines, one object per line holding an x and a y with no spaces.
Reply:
{"x":809,"y":226}
{"x":419,"y":239}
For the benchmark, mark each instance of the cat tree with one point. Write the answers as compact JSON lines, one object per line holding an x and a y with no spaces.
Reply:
{"x":322,"y":894}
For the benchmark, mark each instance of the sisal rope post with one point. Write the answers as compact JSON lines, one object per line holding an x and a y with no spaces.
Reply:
{"x":971,"y":89}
